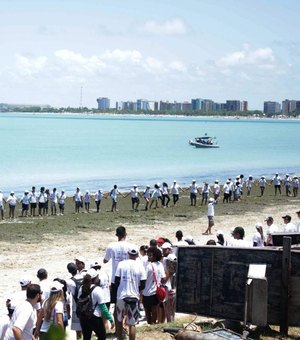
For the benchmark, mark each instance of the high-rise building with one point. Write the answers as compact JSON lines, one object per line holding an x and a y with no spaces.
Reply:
{"x":271,"y":107}
{"x":288,"y":106}
{"x":103,"y":103}
{"x":196,"y":104}
{"x":207,"y":105}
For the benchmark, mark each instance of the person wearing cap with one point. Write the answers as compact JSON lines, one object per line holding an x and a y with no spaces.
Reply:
{"x":95,"y":323}
{"x":117,"y":252}
{"x":134,"y":195}
{"x":33,"y":201}
{"x":12,"y":202}
{"x":193,"y":193}
{"x":277,"y":183}
{"x":175,"y":188}
{"x":147,"y":196}
{"x":165,"y":195}
{"x":237,"y":190}
{"x":287,"y":183}
{"x":289,"y":227}
{"x":25,"y":200}
{"x":61,"y":202}
{"x":262,"y":185}
{"x":226,"y":191}
{"x":189,"y":239}
{"x":98,"y":198}
{"x":295,"y":186}
{"x":42,"y":199}
{"x":87,"y":201}
{"x":53,"y":201}
{"x":114,"y":197}
{"x":2,"y":205}
{"x":249,"y":184}
{"x":155,"y":196}
{"x":23,"y":319}
{"x":130,"y":279}
{"x":258,"y":238}
{"x":271,"y":228}
{"x":53,"y":308}
{"x":154,"y":267}
{"x":78,"y":200}
{"x":210,"y":215}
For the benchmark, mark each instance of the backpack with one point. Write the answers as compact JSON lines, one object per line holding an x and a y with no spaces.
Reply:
{"x":78,"y":283}
{"x":84,"y":306}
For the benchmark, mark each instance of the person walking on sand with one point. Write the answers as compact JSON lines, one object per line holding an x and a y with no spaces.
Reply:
{"x":287,"y":184}
{"x":1,"y":205}
{"x":295,"y":186}
{"x":156,"y":195}
{"x":12,"y":202}
{"x":53,"y":200}
{"x":210,"y":215}
{"x":249,"y":184}
{"x":216,"y":190}
{"x":205,"y":193}
{"x":226,"y":192}
{"x":165,"y":195}
{"x":87,"y":201}
{"x":193,"y":193}
{"x":78,"y":199}
{"x":175,"y":192}
{"x":277,"y":183}
{"x":262,"y":185}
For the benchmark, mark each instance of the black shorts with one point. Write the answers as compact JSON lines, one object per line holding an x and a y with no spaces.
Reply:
{"x":192,"y":195}
{"x":135,"y":200}
{"x":41,"y":205}
{"x":32,"y":205}
{"x":150,"y":301}
{"x":25,"y":207}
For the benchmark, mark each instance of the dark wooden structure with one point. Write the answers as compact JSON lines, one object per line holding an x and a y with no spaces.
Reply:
{"x":211,"y":281}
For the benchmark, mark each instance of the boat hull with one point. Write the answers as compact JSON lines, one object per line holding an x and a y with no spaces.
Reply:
{"x":203,"y":146}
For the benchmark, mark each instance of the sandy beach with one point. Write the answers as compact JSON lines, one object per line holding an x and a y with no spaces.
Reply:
{"x":51,"y":242}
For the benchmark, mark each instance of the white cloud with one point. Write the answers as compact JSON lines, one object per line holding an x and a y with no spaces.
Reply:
{"x":29,"y":66}
{"x":170,"y":27}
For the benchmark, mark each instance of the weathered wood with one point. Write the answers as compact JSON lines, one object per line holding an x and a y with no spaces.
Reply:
{"x":285,"y":275}
{"x":222,"y":294}
{"x":277,"y":238}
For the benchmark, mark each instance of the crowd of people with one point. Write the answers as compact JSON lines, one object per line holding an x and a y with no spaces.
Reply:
{"x":45,"y":202}
{"x":130,"y":289}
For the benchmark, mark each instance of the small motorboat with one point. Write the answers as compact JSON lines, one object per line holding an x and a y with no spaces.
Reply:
{"x":204,"y":142}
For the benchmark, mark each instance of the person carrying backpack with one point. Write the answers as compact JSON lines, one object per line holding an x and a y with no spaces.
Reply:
{"x":91,"y":307}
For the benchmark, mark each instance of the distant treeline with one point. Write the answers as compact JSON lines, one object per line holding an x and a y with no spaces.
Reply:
{"x":41,"y":109}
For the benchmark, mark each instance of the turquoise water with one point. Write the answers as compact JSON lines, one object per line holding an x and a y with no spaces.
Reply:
{"x":92,"y":152}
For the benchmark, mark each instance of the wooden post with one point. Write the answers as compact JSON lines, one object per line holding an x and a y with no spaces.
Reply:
{"x":284,"y":296}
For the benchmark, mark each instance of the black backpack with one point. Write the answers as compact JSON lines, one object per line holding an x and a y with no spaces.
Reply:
{"x":84,"y":307}
{"x":78,"y":283}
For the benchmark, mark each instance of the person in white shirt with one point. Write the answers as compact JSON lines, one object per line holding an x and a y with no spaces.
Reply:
{"x":33,"y":201}
{"x":98,"y":198}
{"x":156,"y":196}
{"x":154,"y":267}
{"x":78,"y":199}
{"x":134,"y":195}
{"x":205,"y":193}
{"x":289,"y":227}
{"x":226,"y":191}
{"x":130,"y":279}
{"x":238,"y":238}
{"x":42,"y":198}
{"x":249,"y":184}
{"x":272,"y":228}
{"x":193,"y":193}
{"x":262,"y":185}
{"x":165,"y":195}
{"x":210,"y":215}
{"x":175,"y":191}
{"x":277,"y":183}
{"x":216,"y":190}
{"x":295,"y":185}
{"x":258,"y":237}
{"x":147,"y":195}
{"x":25,"y":200}
{"x":61,"y":202}
{"x":23,"y":319}
{"x":12,"y":202}
{"x":1,"y":205}
{"x":114,"y":197}
{"x":87,"y":201}
{"x":298,"y":223}
{"x":53,"y":200}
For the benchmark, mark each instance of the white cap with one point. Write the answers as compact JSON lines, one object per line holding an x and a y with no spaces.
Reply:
{"x":25,"y":281}
{"x":172,"y":258}
{"x":257,"y":225}
{"x":211,"y":199}
{"x":166,"y":245}
{"x":219,"y":232}
{"x":92,"y":272}
{"x":56,"y":287}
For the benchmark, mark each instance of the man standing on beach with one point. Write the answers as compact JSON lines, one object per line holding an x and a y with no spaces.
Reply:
{"x":117,"y":252}
{"x":33,"y":200}
{"x":134,"y":195}
{"x":277,"y":183}
{"x":210,"y":215}
{"x":78,"y":199}
{"x":193,"y":193}
{"x":1,"y":206}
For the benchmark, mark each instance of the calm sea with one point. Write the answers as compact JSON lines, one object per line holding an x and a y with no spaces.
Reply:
{"x":96,"y":152}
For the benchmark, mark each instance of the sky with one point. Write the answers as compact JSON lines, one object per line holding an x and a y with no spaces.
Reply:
{"x":70,"y":52}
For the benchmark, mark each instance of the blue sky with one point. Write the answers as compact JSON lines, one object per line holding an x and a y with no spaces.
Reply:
{"x":155,"y":50}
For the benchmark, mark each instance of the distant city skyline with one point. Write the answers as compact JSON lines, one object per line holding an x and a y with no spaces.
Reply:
{"x":67,"y":53}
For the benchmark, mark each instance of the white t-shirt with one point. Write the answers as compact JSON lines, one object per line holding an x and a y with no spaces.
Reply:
{"x":25,"y":199}
{"x":58,"y":309}
{"x":175,"y":189}
{"x":147,"y":193}
{"x":87,"y":198}
{"x":4,"y":323}
{"x":290,"y":228}
{"x":114,"y":194}
{"x":97,"y":298}
{"x":258,"y":240}
{"x":226,"y":188}
{"x":12,"y":200}
{"x":262,"y":182}
{"x":216,"y":189}
{"x":131,"y":273}
{"x":1,"y":199}
{"x":42,"y":197}
{"x":272,"y":229}
{"x":211,"y":209}
{"x":24,"y":319}
{"x":33,"y":197}
{"x":134,"y":193}
{"x":77,"y":196}
{"x":194,"y":189}
{"x":98,"y":196}
{"x":62,"y":198}
{"x":276,"y":180}
{"x":150,"y":288}
{"x":117,"y":252}
{"x":104,"y":285}
{"x":53,"y":197}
